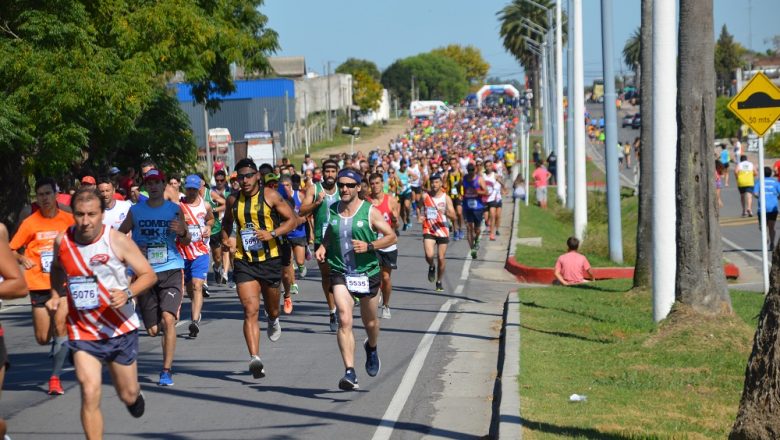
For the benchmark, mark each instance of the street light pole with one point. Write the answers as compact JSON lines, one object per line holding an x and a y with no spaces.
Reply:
{"x":569,"y":113}
{"x":578,"y":97}
{"x":560,"y":177}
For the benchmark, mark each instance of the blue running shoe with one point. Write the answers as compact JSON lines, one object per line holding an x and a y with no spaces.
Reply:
{"x":349,"y":382}
{"x":373,"y":364}
{"x":166,"y":379}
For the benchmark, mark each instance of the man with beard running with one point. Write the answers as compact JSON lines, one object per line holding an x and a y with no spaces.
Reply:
{"x":388,"y":257}
{"x":437,"y":207}
{"x":90,"y":272}
{"x":474,"y":189}
{"x":317,"y":201}
{"x":348,"y":247}
{"x":262,"y":218}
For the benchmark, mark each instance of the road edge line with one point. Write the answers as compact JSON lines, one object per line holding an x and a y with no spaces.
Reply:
{"x":510,"y":424}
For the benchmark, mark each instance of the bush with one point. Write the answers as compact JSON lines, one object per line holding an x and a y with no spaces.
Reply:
{"x":726,"y":123}
{"x":772,"y":145}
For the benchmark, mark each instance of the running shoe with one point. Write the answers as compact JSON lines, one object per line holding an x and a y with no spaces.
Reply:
{"x":474,"y":253}
{"x":431,"y":273}
{"x":373,"y":364}
{"x":334,"y":323}
{"x":406,"y":225}
{"x":308,"y":253}
{"x":498,"y":233}
{"x":275,"y":329}
{"x":256,"y":367}
{"x":386,"y":312}
{"x":55,"y":387}
{"x":205,"y":290}
{"x":137,"y":408}
{"x":492,"y":237}
{"x":455,"y":236}
{"x":302,"y":271}
{"x":293,"y":289}
{"x":349,"y":381}
{"x":356,"y":300}
{"x":166,"y":378}
{"x":194,"y":329}
{"x":439,"y":286}
{"x":288,"y":305}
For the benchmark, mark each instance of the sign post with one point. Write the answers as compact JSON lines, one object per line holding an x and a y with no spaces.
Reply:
{"x":758,"y":106}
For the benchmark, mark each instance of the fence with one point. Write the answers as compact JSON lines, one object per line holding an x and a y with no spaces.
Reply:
{"x":297,"y":136}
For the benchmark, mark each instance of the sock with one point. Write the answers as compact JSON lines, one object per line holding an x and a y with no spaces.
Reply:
{"x":333,"y":311}
{"x":61,"y":351}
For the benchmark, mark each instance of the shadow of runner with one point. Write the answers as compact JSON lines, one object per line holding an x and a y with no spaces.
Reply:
{"x":573,"y":431}
{"x":567,"y":335}
{"x":573,"y":312}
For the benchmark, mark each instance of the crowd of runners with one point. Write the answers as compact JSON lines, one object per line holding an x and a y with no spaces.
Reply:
{"x":125,"y":249}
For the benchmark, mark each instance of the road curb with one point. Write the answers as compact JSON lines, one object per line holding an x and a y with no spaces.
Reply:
{"x":509,"y":421}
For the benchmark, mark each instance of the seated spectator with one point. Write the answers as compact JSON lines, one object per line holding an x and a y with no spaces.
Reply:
{"x":572,"y":266}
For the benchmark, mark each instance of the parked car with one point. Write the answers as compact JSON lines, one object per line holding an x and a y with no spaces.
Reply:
{"x":637,"y":121}
{"x":628,"y":119}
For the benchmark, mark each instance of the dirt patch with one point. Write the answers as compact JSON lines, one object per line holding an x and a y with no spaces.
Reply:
{"x":684,"y":324}
{"x":381,"y":140}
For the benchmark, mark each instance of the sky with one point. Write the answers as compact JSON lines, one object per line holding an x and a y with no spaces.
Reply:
{"x":384,"y":31}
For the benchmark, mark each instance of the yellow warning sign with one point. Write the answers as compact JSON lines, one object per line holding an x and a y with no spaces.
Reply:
{"x":757,"y":104}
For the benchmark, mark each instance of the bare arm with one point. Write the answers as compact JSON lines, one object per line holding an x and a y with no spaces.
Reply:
{"x":451,"y":211}
{"x":209,"y":221}
{"x":127,"y":224}
{"x":127,"y":251}
{"x":274,"y":199}
{"x":227,"y":222}
{"x":179,"y":226}
{"x":13,"y":284}
{"x":219,"y":200}
{"x":309,"y":204}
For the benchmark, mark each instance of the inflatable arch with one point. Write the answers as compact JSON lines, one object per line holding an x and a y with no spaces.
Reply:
{"x":505,"y":89}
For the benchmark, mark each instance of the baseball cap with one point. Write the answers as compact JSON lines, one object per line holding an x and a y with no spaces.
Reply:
{"x":233,"y":176}
{"x":192,"y":182}
{"x":114,"y":170}
{"x":270,"y":177}
{"x":154,"y":174}
{"x":88,"y":180}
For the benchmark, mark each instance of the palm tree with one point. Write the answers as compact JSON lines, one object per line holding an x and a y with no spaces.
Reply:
{"x":514,"y":32}
{"x":632,"y":53}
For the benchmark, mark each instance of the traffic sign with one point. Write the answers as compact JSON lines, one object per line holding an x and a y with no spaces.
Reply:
{"x":757,"y":104}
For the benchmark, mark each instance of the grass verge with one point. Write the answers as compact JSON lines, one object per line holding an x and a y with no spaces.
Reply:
{"x":555,"y":224}
{"x":682,"y":379}
{"x":344,"y":140}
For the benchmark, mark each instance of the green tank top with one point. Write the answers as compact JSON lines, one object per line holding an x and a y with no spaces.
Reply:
{"x":341,"y":254}
{"x":217,"y":219}
{"x":322,"y":214}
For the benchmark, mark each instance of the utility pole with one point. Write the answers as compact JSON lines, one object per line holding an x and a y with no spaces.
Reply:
{"x":570,"y":112}
{"x":206,"y":138}
{"x":664,"y":117}
{"x":578,"y":96}
{"x":611,"y":142}
{"x":306,"y":122}
{"x":287,"y":137}
{"x":412,"y":93}
{"x":265,"y":119}
{"x":330,"y":129}
{"x":560,"y":151}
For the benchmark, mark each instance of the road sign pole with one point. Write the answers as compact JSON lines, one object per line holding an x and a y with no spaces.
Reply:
{"x":762,"y":214}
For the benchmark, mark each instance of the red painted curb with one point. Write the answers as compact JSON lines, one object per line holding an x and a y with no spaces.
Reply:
{"x":546,"y":275}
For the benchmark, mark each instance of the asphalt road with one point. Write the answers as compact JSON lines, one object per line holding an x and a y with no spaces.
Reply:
{"x":438,"y":352}
{"x":741,"y":236}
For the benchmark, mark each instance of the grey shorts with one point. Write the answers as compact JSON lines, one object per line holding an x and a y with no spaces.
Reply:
{"x":541,"y":194}
{"x":164,"y":296}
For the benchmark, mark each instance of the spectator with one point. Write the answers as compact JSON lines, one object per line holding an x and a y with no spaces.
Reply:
{"x":552,"y":167}
{"x":541,"y":177}
{"x":771,"y":193}
{"x":572,"y":266}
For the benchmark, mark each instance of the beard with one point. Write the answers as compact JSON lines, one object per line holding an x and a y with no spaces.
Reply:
{"x":328,"y":182}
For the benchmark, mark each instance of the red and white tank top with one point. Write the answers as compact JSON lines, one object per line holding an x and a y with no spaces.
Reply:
{"x":93,"y":270}
{"x":195,"y":217}
{"x":387,"y":213}
{"x":434,"y":220}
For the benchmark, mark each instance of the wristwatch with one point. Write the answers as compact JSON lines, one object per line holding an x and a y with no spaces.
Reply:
{"x":273,"y":234}
{"x":129,"y":294}
{"x":370,"y":247}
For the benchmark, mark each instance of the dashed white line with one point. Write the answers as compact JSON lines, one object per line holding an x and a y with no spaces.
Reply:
{"x":389,"y":419}
{"x":464,"y":274}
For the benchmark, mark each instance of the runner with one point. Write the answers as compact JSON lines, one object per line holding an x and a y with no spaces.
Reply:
{"x":116,"y":210}
{"x":36,"y":235}
{"x":199,"y":219}
{"x":297,"y":238}
{"x":473,"y":191}
{"x":12,"y":285}
{"x":455,"y":189}
{"x":289,"y":286}
{"x":262,"y":217}
{"x":388,"y":257}
{"x":494,"y":184}
{"x":348,"y":248}
{"x":405,"y":195}
{"x":215,"y":197}
{"x":317,"y":202}
{"x":156,"y":225}
{"x":90,"y":273}
{"x":437,"y":205}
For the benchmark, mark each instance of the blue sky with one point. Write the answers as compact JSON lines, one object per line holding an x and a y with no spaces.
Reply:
{"x":383,"y":31}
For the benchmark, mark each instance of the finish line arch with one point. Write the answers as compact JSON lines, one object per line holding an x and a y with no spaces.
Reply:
{"x":504,"y":89}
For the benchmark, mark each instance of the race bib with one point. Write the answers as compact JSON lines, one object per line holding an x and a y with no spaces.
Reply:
{"x":46,"y":258}
{"x":195,"y":233}
{"x":431,"y":213}
{"x":454,"y":191}
{"x":249,"y":240}
{"x":357,"y":283}
{"x":324,"y":228}
{"x":157,"y":253}
{"x":84,"y":292}
{"x":472,"y":203}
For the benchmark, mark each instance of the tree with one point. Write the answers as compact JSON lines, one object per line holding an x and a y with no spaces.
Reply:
{"x":643,"y":267}
{"x":727,"y":58}
{"x":81,"y":77}
{"x":632,"y":51}
{"x":700,"y":282}
{"x":353,"y":65}
{"x":726,"y":123}
{"x":469,"y":58}
{"x":437,"y":77}
{"x":366,"y":91}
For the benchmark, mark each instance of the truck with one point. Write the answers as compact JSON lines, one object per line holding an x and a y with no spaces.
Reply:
{"x":598,"y":91}
{"x":428,"y":109}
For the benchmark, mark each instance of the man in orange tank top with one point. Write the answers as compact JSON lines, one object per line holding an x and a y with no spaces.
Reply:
{"x":437,"y":209}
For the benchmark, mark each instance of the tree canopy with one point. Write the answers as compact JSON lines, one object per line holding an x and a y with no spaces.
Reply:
{"x":366,"y":91}
{"x":632,"y":50}
{"x":728,"y":56}
{"x":469,"y":58}
{"x":353,"y":65}
{"x":437,"y":77}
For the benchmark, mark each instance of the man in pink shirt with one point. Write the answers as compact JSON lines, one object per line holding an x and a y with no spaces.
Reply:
{"x":572,"y":266}
{"x":541,"y":176}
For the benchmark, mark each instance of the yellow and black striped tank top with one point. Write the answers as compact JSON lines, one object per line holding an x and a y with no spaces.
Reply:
{"x":252,"y":213}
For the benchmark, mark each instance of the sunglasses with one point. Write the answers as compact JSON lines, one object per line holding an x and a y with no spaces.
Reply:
{"x":245,"y":176}
{"x":219,"y":180}
{"x":348,"y":185}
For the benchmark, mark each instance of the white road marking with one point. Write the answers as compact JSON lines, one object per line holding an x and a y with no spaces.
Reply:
{"x":389,"y":419}
{"x":739,"y":249}
{"x":464,"y":274}
{"x":9,"y":308}
{"x":459,"y":289}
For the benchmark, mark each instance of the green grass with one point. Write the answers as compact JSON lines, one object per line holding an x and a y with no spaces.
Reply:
{"x":682,"y":379}
{"x":343,"y":140}
{"x":555,"y":225}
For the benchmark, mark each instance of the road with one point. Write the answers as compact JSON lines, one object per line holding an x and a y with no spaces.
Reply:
{"x":741,"y":236}
{"x":439,"y":357}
